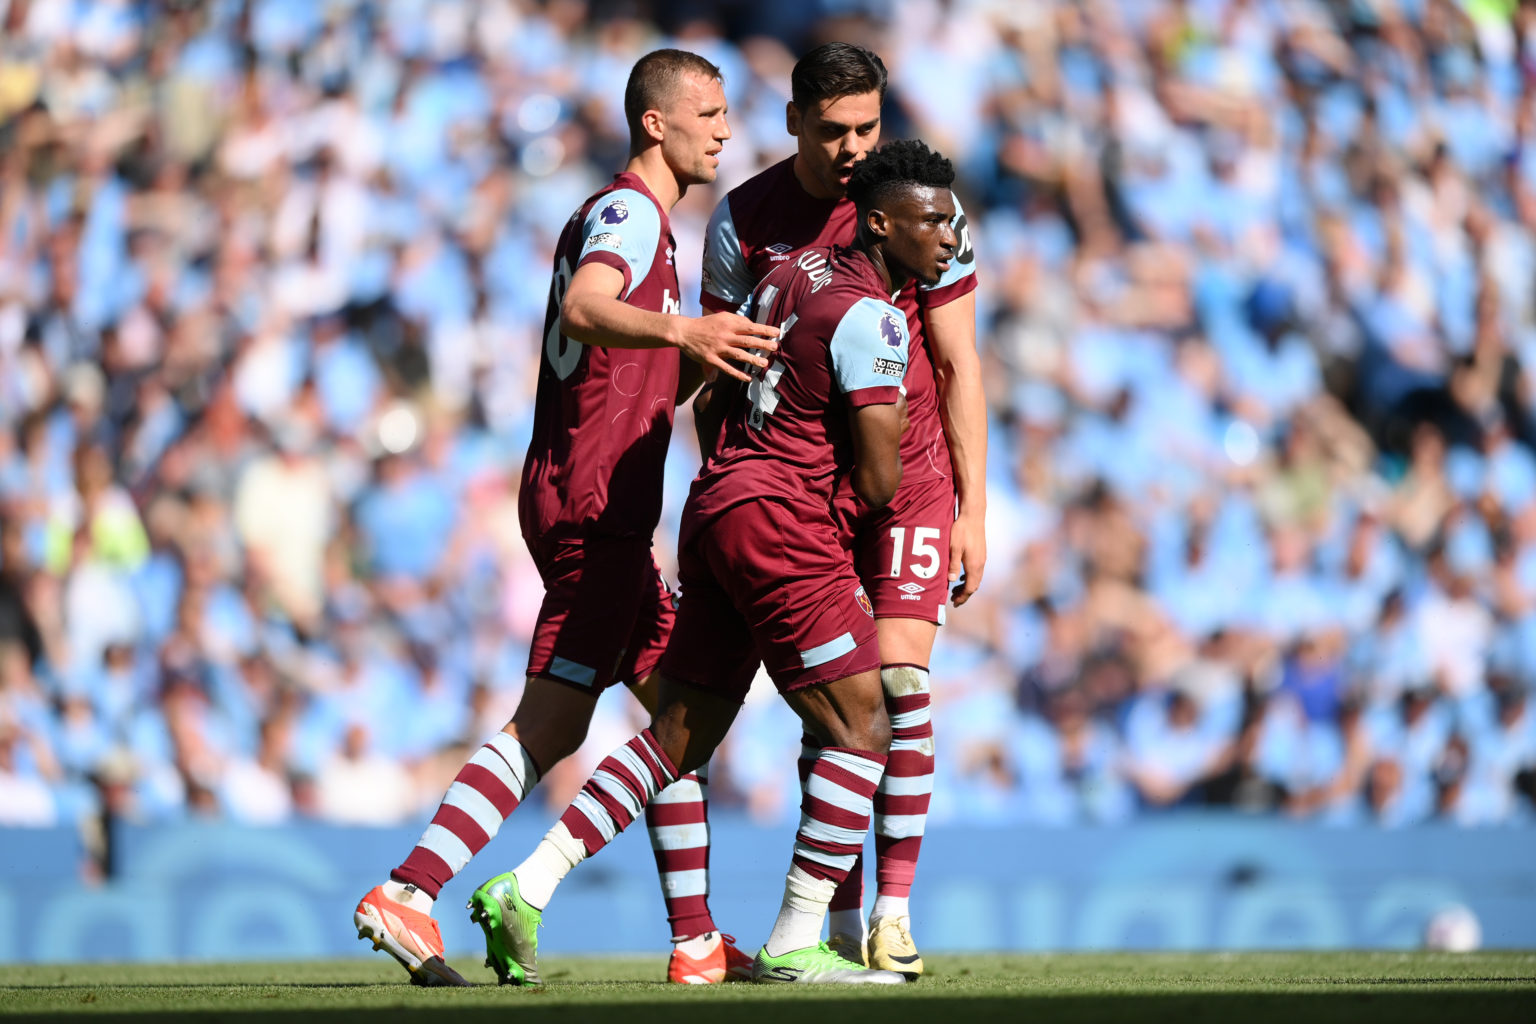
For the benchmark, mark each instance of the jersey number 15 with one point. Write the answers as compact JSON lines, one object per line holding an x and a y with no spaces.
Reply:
{"x":928,"y":568}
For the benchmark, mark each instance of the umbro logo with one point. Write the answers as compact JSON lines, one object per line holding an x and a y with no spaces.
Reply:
{"x":912,"y":588}
{"x":780,"y":248}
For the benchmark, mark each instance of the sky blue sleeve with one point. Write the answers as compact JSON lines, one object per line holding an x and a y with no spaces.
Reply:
{"x":869,"y":347}
{"x":726,"y":276}
{"x":964,"y":263}
{"x":623,"y":223}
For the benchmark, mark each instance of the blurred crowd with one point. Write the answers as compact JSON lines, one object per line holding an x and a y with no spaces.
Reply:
{"x":1258,"y":291}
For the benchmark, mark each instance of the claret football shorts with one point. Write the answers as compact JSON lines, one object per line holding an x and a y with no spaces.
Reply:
{"x":761,"y":584}
{"x":902,"y":551}
{"x":606,"y":615}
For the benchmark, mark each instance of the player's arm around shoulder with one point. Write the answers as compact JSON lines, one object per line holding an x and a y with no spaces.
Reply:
{"x":869,"y":358}
{"x":950,"y":327}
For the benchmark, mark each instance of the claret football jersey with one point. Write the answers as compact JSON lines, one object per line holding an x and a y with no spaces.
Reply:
{"x":603,"y":416}
{"x":787,"y":435}
{"x":768,"y":220}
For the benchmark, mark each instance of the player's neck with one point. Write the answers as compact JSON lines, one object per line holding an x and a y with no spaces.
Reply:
{"x":808,"y":181}
{"x":894,"y":281}
{"x":651,"y":168}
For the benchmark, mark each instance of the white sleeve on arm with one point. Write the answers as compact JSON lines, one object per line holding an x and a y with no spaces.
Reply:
{"x":625,"y":224}
{"x":869,"y":347}
{"x":726,"y":276}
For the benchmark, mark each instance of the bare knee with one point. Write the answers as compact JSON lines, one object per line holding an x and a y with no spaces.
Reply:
{"x":551,"y":721}
{"x":870,"y":734}
{"x":876,"y":735}
{"x":689,"y":724}
{"x":848,"y":713}
{"x":670,"y":731}
{"x":547,"y":742}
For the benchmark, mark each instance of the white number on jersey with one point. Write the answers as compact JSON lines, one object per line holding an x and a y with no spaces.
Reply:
{"x":920,"y":549}
{"x":762,"y":395}
{"x":563,"y":353}
{"x":760,"y":392}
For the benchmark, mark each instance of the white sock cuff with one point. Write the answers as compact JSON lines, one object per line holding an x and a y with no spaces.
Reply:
{"x":904,"y":680}
{"x":568,"y":845}
{"x":849,"y":922}
{"x":548,"y":864}
{"x":890,"y":906}
{"x":805,"y":893}
{"x":404,"y":892}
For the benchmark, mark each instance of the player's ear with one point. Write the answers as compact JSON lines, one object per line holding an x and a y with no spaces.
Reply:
{"x":792,"y":118}
{"x":654,"y":123}
{"x":878,"y":223}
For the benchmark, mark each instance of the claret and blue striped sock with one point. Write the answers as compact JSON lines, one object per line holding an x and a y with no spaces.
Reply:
{"x":906,"y":789}
{"x":487,"y":789}
{"x":615,"y":795}
{"x":834,"y":820}
{"x":678,"y":823}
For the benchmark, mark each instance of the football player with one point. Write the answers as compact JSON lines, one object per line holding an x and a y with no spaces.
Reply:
{"x":610,"y":374}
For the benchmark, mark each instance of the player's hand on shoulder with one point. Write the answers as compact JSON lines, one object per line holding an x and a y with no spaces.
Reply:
{"x":720,"y":339}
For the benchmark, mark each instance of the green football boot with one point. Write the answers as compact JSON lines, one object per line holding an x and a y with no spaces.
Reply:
{"x":511,"y":927}
{"x":817,"y":965}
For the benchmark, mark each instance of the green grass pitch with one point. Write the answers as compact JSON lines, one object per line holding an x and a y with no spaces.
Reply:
{"x":1247,"y":988}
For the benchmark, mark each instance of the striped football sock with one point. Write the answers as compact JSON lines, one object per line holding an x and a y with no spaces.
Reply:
{"x":678,"y":822}
{"x":848,"y":901}
{"x":487,"y":789}
{"x":615,"y":795}
{"x":834,"y":819}
{"x":901,"y":802}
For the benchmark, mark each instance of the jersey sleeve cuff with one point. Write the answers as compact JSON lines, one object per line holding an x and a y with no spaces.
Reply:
{"x":608,"y":258}
{"x":874,"y":396}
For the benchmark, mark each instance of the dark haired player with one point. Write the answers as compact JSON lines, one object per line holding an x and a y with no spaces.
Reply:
{"x":766,"y":578}
{"x":609,"y":378}
{"x":905,"y":551}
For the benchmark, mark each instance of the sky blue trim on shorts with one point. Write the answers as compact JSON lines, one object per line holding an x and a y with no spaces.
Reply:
{"x":823,"y":653}
{"x":572,"y":672}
